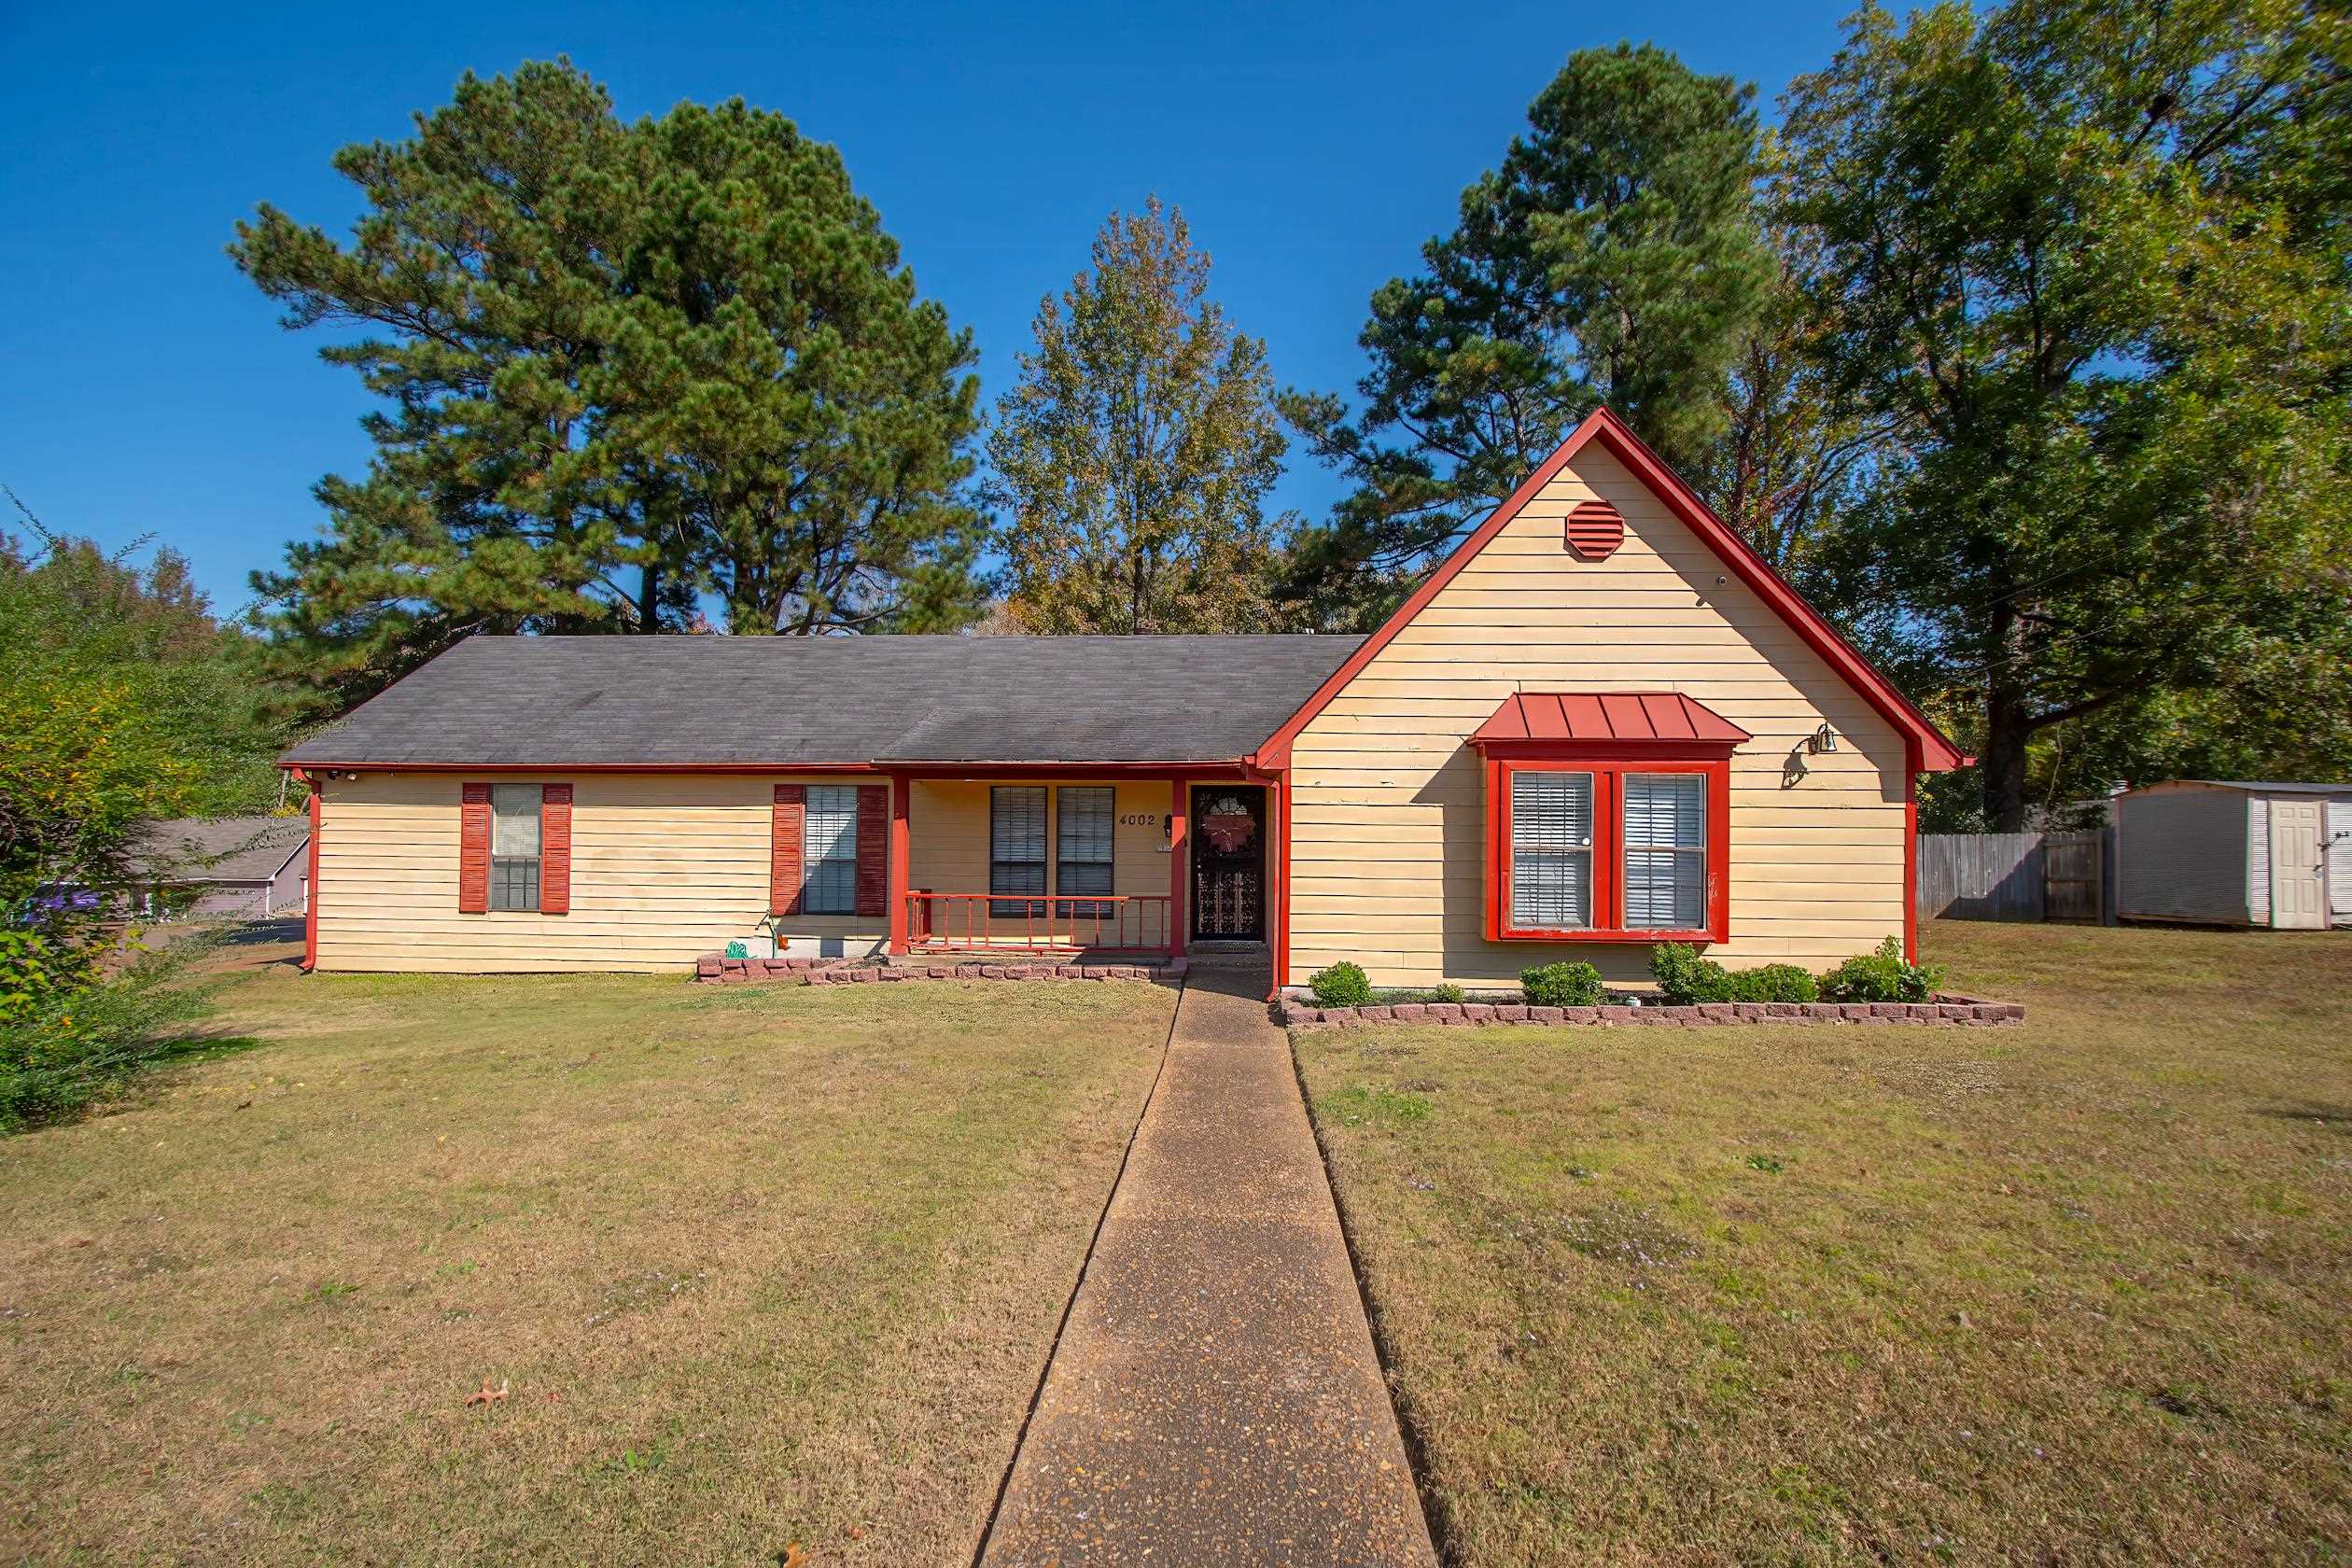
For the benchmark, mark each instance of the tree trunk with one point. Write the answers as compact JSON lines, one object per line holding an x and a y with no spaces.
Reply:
{"x":2003,"y":766}
{"x":650,"y":599}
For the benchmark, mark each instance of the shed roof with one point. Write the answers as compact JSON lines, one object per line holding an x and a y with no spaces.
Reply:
{"x":2269,"y":787}
{"x":725,"y":700}
{"x":194,"y":850}
{"x":1606,"y":716}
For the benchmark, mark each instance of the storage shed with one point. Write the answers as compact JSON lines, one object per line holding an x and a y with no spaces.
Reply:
{"x":2235,"y":852}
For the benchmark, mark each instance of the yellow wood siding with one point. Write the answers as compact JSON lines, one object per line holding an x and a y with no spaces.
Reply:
{"x":664,"y":867}
{"x":1388,"y":807}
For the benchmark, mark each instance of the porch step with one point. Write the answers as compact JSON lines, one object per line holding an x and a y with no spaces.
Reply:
{"x":1229,"y":955}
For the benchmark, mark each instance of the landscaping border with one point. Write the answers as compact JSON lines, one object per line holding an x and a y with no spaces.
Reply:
{"x":1947,"y":1011}
{"x":717,"y":969}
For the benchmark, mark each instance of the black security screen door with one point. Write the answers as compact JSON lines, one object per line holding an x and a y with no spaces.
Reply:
{"x":1229,"y":839}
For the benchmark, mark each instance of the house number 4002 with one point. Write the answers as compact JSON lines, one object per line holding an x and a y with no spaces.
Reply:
{"x":1141,"y":819}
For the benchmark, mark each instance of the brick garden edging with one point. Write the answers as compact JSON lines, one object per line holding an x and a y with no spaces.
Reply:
{"x":1943,"y":1011}
{"x":716,"y":969}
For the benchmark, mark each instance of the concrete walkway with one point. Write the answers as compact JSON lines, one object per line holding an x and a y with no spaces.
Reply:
{"x":1214,"y":1397}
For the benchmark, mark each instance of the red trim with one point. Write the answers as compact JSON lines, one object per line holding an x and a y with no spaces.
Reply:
{"x":874,"y":850}
{"x":1735,"y":553}
{"x":310,"y":904}
{"x":787,"y":849}
{"x":555,"y":818}
{"x":1608,"y":765}
{"x":1211,"y":767}
{"x":1910,"y":853}
{"x":473,"y":850}
{"x":1178,"y":861}
{"x":1281,"y":881}
{"x":902,"y":807}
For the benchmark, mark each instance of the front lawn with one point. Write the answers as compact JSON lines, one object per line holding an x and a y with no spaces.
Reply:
{"x":2073,"y":1291}
{"x":753,"y":1265}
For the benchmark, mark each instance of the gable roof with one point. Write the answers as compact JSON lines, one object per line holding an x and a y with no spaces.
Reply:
{"x":1931,"y":751}
{"x":1610,"y":716}
{"x":195,"y":849}
{"x":712,"y":702}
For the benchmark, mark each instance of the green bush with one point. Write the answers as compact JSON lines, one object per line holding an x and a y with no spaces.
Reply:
{"x":1562,"y":985}
{"x":35,"y":966}
{"x":1343,"y":984}
{"x":1774,"y":983}
{"x":69,"y":1045}
{"x":1685,"y":977}
{"x":1881,"y":977}
{"x":1446,"y":990}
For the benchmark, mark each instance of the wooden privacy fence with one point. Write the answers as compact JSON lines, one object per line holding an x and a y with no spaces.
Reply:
{"x":2017,"y":876}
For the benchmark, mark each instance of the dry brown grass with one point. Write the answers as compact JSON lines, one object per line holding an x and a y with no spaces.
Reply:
{"x":2070,"y":1292}
{"x":757,"y":1266}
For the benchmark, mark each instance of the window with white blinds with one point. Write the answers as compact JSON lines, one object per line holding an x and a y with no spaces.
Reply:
{"x":1665,"y":851}
{"x":514,"y":845}
{"x":1016,"y":845}
{"x":1551,"y":851}
{"x":828,"y":834}
{"x":1083,"y":818}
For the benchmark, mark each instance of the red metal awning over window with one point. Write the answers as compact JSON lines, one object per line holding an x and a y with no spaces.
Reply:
{"x":1612,"y":718}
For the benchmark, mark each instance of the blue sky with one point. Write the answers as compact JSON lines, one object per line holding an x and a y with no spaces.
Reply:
{"x":149,"y":389}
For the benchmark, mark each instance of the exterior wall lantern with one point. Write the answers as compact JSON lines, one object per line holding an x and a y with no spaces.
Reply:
{"x":1821,"y":739}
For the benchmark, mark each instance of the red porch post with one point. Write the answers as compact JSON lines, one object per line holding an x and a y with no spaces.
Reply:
{"x":902,"y":795}
{"x":1179,"y":853}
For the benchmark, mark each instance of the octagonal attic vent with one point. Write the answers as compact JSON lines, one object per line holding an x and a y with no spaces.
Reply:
{"x":1595,"y":529}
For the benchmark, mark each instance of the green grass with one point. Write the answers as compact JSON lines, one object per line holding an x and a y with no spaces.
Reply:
{"x":2069,"y":1293}
{"x":756,"y":1265}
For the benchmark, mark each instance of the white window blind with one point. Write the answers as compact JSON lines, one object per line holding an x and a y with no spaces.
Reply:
{"x":1016,"y":845}
{"x":829,"y":837}
{"x":1551,"y":851}
{"x":1665,"y":851}
{"x":514,"y":845}
{"x":1083,"y":818}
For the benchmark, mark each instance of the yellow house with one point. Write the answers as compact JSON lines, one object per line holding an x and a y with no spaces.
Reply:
{"x":1601,"y":724}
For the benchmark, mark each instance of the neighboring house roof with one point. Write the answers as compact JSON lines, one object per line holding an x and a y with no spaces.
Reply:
{"x":194,"y":849}
{"x":2258,"y":786}
{"x":1613,"y":716}
{"x":684,"y":702}
{"x":1931,"y":750}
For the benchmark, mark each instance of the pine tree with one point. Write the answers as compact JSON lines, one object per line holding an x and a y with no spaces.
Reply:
{"x":1134,"y":455}
{"x":624,"y":365}
{"x":1615,"y":257}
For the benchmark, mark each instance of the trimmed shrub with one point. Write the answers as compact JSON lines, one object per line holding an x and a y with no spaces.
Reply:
{"x":1881,"y":977}
{"x":1448,"y":991}
{"x":1685,"y":977}
{"x":1343,"y":984}
{"x":68,"y":1047}
{"x":1562,"y":985}
{"x":1774,"y":983}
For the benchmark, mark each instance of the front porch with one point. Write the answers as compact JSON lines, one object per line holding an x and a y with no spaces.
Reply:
{"x":1084,"y":866}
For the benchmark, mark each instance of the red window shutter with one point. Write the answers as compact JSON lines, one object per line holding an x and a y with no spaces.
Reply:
{"x":874,"y":848}
{"x":786,"y":850}
{"x":555,"y":804}
{"x":473,"y":850}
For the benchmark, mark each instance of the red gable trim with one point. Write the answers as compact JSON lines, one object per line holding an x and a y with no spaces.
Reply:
{"x":1936,"y":753}
{"x":1635,"y":716}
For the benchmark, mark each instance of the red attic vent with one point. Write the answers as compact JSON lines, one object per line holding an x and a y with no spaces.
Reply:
{"x":1595,"y":529}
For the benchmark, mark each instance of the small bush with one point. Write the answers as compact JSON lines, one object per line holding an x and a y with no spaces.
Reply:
{"x":1562,"y":985}
{"x":1685,"y":977}
{"x":67,"y":1047}
{"x":1448,"y":991}
{"x":1774,"y":983}
{"x":1881,"y":977}
{"x":1343,"y":984}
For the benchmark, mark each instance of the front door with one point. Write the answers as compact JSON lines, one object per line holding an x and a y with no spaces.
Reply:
{"x":1229,"y":838}
{"x":2298,"y":890}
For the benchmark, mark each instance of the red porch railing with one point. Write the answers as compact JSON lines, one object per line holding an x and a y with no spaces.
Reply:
{"x":1042,"y":922}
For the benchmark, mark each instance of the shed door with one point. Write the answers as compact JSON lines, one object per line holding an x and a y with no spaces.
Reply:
{"x":2299,"y":893}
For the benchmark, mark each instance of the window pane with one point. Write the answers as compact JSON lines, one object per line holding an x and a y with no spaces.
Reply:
{"x":829,"y":837}
{"x":515,"y":819}
{"x":1665,"y":851}
{"x":1551,"y":851}
{"x":1084,"y":817}
{"x":514,"y":884}
{"x":1016,"y":845}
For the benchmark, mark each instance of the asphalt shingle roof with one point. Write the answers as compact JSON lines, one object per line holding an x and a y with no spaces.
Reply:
{"x":219,"y":849}
{"x":550,"y":702}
